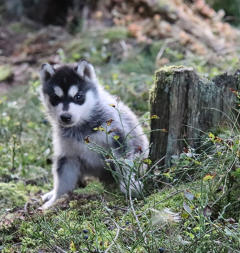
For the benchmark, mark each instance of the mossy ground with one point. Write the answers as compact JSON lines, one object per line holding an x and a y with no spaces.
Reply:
{"x":99,"y":218}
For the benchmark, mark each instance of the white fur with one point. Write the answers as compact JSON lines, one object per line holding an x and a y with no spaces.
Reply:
{"x":49,"y":69}
{"x":46,"y":69}
{"x":63,"y":183}
{"x":73,"y":91}
{"x":59,"y":109}
{"x":79,"y":113}
{"x":87,"y":71}
{"x":82,"y":112}
{"x":58,"y":91}
{"x":76,"y":148}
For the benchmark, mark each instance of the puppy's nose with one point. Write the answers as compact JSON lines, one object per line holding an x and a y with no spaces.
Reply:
{"x":66,"y":117}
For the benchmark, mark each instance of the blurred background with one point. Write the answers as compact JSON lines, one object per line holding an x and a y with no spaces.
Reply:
{"x":126,"y":41}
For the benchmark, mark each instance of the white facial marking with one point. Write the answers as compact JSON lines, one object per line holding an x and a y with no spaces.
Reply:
{"x":82,"y":112}
{"x":58,"y":91}
{"x":72,"y":91}
{"x":78,"y":112}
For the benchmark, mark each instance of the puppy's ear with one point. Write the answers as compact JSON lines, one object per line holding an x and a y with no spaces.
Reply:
{"x":46,"y":72}
{"x":86,"y":70}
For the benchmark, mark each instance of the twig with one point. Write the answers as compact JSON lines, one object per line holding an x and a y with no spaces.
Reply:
{"x":26,"y":206}
{"x":161,"y":51}
{"x":115,"y":238}
{"x":151,"y":169}
{"x":59,"y":250}
{"x":136,"y":218}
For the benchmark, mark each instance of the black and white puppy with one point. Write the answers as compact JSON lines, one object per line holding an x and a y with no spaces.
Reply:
{"x":76,"y":107}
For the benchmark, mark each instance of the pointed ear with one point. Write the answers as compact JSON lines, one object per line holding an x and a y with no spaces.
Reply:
{"x":86,"y":70}
{"x":46,"y":72}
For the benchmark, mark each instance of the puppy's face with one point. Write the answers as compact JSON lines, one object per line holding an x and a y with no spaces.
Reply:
{"x":69,"y":94}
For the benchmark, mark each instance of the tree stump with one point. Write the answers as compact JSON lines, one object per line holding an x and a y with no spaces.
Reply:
{"x":187,"y":106}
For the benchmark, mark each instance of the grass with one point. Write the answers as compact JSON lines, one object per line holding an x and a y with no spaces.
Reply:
{"x":99,"y":218}
{"x":193,"y":206}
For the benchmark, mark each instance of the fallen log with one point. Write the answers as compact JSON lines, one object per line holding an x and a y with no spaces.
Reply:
{"x":184,"y":106}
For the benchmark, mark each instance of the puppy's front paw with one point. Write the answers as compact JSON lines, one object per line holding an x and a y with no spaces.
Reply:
{"x":49,"y":203}
{"x":47,"y":196}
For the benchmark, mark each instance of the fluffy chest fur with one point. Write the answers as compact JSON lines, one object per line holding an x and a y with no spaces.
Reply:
{"x":72,"y":147}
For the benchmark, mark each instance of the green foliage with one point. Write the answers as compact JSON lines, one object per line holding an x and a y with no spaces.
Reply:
{"x":231,"y":7}
{"x":196,"y":210}
{"x":12,"y":195}
{"x":96,"y":47}
{"x":212,"y":204}
{"x":115,"y":33}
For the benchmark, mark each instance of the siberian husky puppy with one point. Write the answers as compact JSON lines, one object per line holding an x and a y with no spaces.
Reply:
{"x":82,"y":114}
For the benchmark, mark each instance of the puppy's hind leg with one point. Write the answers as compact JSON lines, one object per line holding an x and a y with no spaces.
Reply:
{"x":66,"y":174}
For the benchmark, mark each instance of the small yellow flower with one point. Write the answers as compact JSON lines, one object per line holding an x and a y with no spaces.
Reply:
{"x":208,"y":177}
{"x":72,"y":247}
{"x":109,"y":122}
{"x":147,"y":161}
{"x":116,"y":137}
{"x":154,"y":117}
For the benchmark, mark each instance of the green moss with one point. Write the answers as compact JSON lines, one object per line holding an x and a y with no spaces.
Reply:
{"x":160,"y":200}
{"x":12,"y":195}
{"x":93,"y":187}
{"x":166,"y":74}
{"x":169,"y":70}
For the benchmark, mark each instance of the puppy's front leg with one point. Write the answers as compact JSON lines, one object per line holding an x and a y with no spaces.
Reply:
{"x":66,"y":173}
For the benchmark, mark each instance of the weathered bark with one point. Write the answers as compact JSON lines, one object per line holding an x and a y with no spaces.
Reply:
{"x":187,"y":106}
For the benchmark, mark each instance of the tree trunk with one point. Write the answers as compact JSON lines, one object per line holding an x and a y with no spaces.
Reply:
{"x":187,"y":106}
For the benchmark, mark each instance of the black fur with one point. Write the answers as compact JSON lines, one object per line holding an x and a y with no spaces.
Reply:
{"x":65,"y":77}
